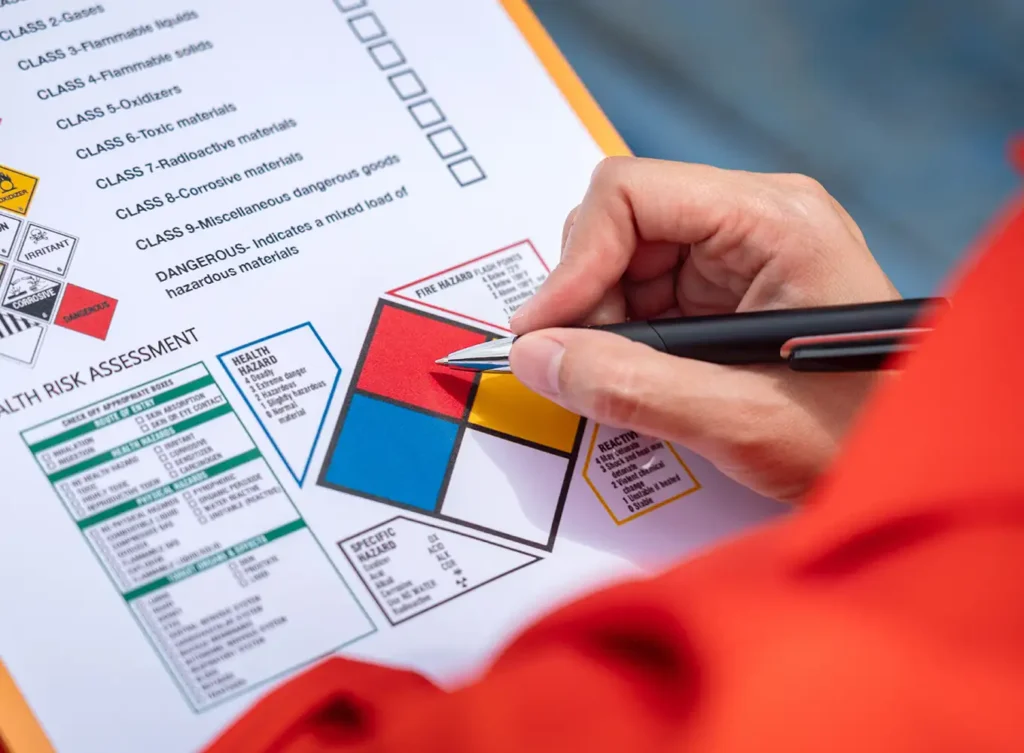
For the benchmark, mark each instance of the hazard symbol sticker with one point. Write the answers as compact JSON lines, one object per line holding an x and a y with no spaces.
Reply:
{"x":9,"y":227}
{"x":19,"y":338}
{"x":86,"y":311}
{"x":16,"y":190}
{"x":32,"y":294}
{"x":47,"y":250}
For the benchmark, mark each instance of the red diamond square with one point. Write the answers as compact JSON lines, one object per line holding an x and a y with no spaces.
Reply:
{"x":86,"y":311}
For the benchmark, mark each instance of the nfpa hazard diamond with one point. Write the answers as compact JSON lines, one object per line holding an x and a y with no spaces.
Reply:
{"x":86,"y":311}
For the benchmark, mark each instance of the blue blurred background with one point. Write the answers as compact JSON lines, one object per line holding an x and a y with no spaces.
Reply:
{"x":903,"y":109}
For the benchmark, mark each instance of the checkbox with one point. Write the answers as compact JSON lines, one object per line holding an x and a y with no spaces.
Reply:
{"x":467,"y":171}
{"x":144,"y":427}
{"x":201,"y":519}
{"x":426,"y":113}
{"x":407,"y":84}
{"x":386,"y":55}
{"x":168,"y":466}
{"x":447,"y":142}
{"x":174,"y":474}
{"x":346,"y":5}
{"x":162,"y":457}
{"x":194,"y":504}
{"x":140,"y":419}
{"x":366,"y":27}
{"x":188,"y":495}
{"x":49,"y":466}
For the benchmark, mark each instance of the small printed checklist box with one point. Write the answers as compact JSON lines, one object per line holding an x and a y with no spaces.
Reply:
{"x":467,"y":171}
{"x":446,"y":142}
{"x":188,"y":495}
{"x":407,"y":84}
{"x":239,"y":575}
{"x":366,"y":27}
{"x":386,"y":55}
{"x":347,"y":5}
{"x":426,"y":113}
{"x":48,"y":461}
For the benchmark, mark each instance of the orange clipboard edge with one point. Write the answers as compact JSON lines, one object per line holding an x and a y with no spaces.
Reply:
{"x":565,"y":78}
{"x":19,"y":730}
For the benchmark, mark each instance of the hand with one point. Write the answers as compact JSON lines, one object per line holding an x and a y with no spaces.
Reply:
{"x":656,"y":238}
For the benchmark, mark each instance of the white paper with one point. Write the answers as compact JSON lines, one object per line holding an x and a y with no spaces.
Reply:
{"x":233,"y":238}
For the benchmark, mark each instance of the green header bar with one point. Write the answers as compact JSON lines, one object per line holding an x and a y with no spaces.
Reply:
{"x":216,"y":559}
{"x":169,"y":489}
{"x":138,"y":444}
{"x":123,"y":413}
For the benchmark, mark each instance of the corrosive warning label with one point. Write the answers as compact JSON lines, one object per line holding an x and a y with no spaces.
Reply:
{"x":16,"y":190}
{"x":32,"y":294}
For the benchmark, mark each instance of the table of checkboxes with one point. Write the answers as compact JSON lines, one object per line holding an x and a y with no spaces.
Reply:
{"x":187,"y":517}
{"x":479,"y":450}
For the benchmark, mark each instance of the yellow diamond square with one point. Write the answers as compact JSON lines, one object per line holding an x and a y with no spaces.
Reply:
{"x":16,"y":190}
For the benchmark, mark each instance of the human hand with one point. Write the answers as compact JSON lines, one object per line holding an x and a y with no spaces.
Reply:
{"x":654,"y":239}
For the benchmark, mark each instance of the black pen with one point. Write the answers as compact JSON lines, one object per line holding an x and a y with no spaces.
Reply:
{"x":859,"y":337}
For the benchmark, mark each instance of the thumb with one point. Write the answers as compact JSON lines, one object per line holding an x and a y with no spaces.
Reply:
{"x":628,"y":385}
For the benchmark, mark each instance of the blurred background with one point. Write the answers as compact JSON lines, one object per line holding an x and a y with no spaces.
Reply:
{"x":903,"y":109}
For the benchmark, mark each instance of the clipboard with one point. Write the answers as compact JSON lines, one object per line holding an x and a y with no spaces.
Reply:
{"x":20,"y":732}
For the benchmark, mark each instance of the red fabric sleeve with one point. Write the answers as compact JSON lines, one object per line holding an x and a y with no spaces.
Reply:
{"x":888,"y":614}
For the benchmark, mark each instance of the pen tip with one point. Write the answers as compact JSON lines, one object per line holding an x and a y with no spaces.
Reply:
{"x":441,"y":361}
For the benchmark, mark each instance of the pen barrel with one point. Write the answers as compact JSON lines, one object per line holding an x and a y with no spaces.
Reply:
{"x":759,"y":337}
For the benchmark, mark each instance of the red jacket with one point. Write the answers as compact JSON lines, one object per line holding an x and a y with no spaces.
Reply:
{"x":887,"y":615}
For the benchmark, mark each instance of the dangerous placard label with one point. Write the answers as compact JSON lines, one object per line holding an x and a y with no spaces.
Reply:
{"x":9,"y":227}
{"x":16,"y":190}
{"x":32,"y":294}
{"x":86,"y":311}
{"x":47,"y":250}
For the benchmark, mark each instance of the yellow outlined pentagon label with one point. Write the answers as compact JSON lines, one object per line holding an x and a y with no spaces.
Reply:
{"x":16,"y":190}
{"x":632,"y":474}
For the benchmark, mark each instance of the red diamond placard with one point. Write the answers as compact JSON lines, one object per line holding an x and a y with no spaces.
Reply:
{"x":86,"y":311}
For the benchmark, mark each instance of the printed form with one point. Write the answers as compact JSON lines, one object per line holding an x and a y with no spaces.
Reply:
{"x":234,"y":238}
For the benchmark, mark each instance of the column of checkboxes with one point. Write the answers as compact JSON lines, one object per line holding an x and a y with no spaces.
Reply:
{"x":141,"y":421}
{"x":387,"y":55}
{"x":197,"y":508}
{"x":161,"y":455}
{"x":112,"y":561}
{"x":48,"y":463}
{"x":237,"y":572}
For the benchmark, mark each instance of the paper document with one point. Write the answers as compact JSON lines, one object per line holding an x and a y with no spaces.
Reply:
{"x":234,"y":238}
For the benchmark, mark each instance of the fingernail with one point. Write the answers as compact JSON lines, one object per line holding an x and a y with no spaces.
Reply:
{"x":537,"y":362}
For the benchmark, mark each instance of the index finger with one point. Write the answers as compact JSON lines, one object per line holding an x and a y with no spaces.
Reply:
{"x":628,"y":199}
